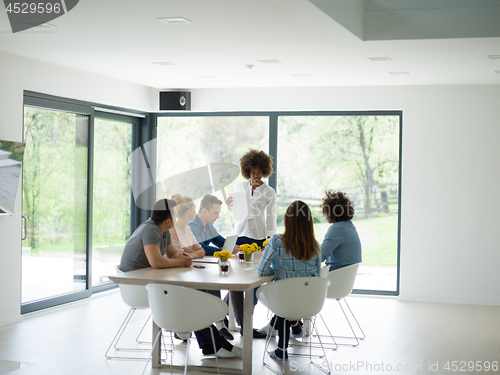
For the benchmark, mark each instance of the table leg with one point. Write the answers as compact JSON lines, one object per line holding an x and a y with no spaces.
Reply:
{"x":156,"y":358}
{"x":231,"y":319}
{"x":247,"y":332}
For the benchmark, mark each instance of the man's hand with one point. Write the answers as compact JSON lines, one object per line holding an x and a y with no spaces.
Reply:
{"x":186,"y":260}
{"x":176,"y":258}
{"x":236,"y":249}
{"x":229,"y":202}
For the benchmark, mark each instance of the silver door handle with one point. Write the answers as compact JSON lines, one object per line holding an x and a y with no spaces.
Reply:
{"x":25,"y":231}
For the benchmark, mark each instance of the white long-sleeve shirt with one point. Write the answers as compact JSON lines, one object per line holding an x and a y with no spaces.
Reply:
{"x":261,"y":220}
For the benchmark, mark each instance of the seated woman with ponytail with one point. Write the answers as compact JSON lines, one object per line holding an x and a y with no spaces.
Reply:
{"x":182,"y":236}
{"x":184,"y":240}
{"x":295,"y":253}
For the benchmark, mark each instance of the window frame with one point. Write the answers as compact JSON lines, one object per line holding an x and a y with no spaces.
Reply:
{"x":142,"y":130}
{"x":273,"y":151}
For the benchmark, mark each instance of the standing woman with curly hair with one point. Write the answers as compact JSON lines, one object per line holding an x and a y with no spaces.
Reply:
{"x":341,"y":246}
{"x":261,"y":220}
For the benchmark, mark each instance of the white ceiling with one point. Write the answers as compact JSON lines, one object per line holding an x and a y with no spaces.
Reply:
{"x":122,"y":39}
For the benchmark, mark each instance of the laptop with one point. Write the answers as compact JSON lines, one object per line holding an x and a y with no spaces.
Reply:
{"x":228,"y":245}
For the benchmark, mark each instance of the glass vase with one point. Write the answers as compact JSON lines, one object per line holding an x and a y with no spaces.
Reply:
{"x":249,"y":258}
{"x":224,"y":266}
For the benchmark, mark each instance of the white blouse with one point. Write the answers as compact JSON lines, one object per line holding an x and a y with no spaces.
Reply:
{"x":184,"y":239}
{"x":261,"y":220}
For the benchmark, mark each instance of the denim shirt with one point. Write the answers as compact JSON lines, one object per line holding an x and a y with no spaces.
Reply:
{"x":205,"y":235}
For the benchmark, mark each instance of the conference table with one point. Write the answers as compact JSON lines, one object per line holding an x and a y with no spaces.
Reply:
{"x":241,"y":277}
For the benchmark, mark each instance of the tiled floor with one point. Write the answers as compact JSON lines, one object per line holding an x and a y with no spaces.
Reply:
{"x":402,"y":338}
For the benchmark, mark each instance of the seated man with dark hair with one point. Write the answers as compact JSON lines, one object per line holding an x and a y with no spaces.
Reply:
{"x":151,"y":245}
{"x":206,"y":234}
{"x":203,"y":228}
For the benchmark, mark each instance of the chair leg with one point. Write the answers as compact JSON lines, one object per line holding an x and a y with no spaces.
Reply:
{"x":312,"y":344}
{"x":116,"y":340}
{"x":215,"y":350}
{"x":322,"y":348}
{"x":120,"y":331}
{"x":330,"y":335}
{"x":266,"y":347}
{"x":348,"y":319}
{"x":350,"y":325}
{"x":151,"y":354}
{"x":142,"y":329}
{"x":356,"y":320}
{"x":187,"y":357}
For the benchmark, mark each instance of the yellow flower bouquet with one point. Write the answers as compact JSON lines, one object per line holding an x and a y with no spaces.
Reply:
{"x":223,"y":255}
{"x":265,"y":242}
{"x":249,"y":250}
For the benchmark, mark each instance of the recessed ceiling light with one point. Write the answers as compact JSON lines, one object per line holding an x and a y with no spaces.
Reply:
{"x":269,"y":61}
{"x":206,"y":77}
{"x":170,"y":20}
{"x":399,"y":73}
{"x":163,"y":63}
{"x":497,"y":71}
{"x":379,"y":58}
{"x":493,"y":57}
{"x":301,"y":75}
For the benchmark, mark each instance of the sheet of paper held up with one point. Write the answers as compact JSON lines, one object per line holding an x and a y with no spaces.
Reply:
{"x":240,"y":205}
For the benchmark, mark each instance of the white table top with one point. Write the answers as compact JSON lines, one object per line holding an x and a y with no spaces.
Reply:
{"x":241,"y":276}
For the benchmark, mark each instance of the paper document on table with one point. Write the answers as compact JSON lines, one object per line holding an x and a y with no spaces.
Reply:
{"x":240,"y":206}
{"x":206,"y":260}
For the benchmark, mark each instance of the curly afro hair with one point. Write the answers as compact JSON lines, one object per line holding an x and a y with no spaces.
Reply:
{"x":255,"y":159}
{"x":336,"y":206}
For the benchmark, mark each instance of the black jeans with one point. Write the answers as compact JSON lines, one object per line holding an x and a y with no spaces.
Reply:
{"x":283,"y":335}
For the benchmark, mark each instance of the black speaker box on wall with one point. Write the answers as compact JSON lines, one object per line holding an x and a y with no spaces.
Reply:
{"x":175,"y":101}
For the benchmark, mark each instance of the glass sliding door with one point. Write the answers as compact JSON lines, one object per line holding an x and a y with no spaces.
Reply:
{"x":358,"y":154}
{"x":55,"y":172}
{"x":111,"y":194}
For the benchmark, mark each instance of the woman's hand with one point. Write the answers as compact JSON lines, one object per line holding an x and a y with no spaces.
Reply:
{"x":200,"y":253}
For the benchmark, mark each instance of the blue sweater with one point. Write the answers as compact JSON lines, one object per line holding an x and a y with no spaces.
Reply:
{"x":341,"y":246}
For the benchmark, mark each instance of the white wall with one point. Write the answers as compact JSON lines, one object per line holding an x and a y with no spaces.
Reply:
{"x":18,"y":74}
{"x":450,"y":236}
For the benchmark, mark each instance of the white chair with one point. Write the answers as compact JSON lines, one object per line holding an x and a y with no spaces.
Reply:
{"x":294,"y":299}
{"x":136,"y":297}
{"x":341,"y":285}
{"x":179,"y":309}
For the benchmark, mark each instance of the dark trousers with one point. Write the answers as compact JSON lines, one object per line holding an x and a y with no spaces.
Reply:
{"x":283,"y":335}
{"x":204,"y":337}
{"x":237,"y":297}
{"x":246,"y":240}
